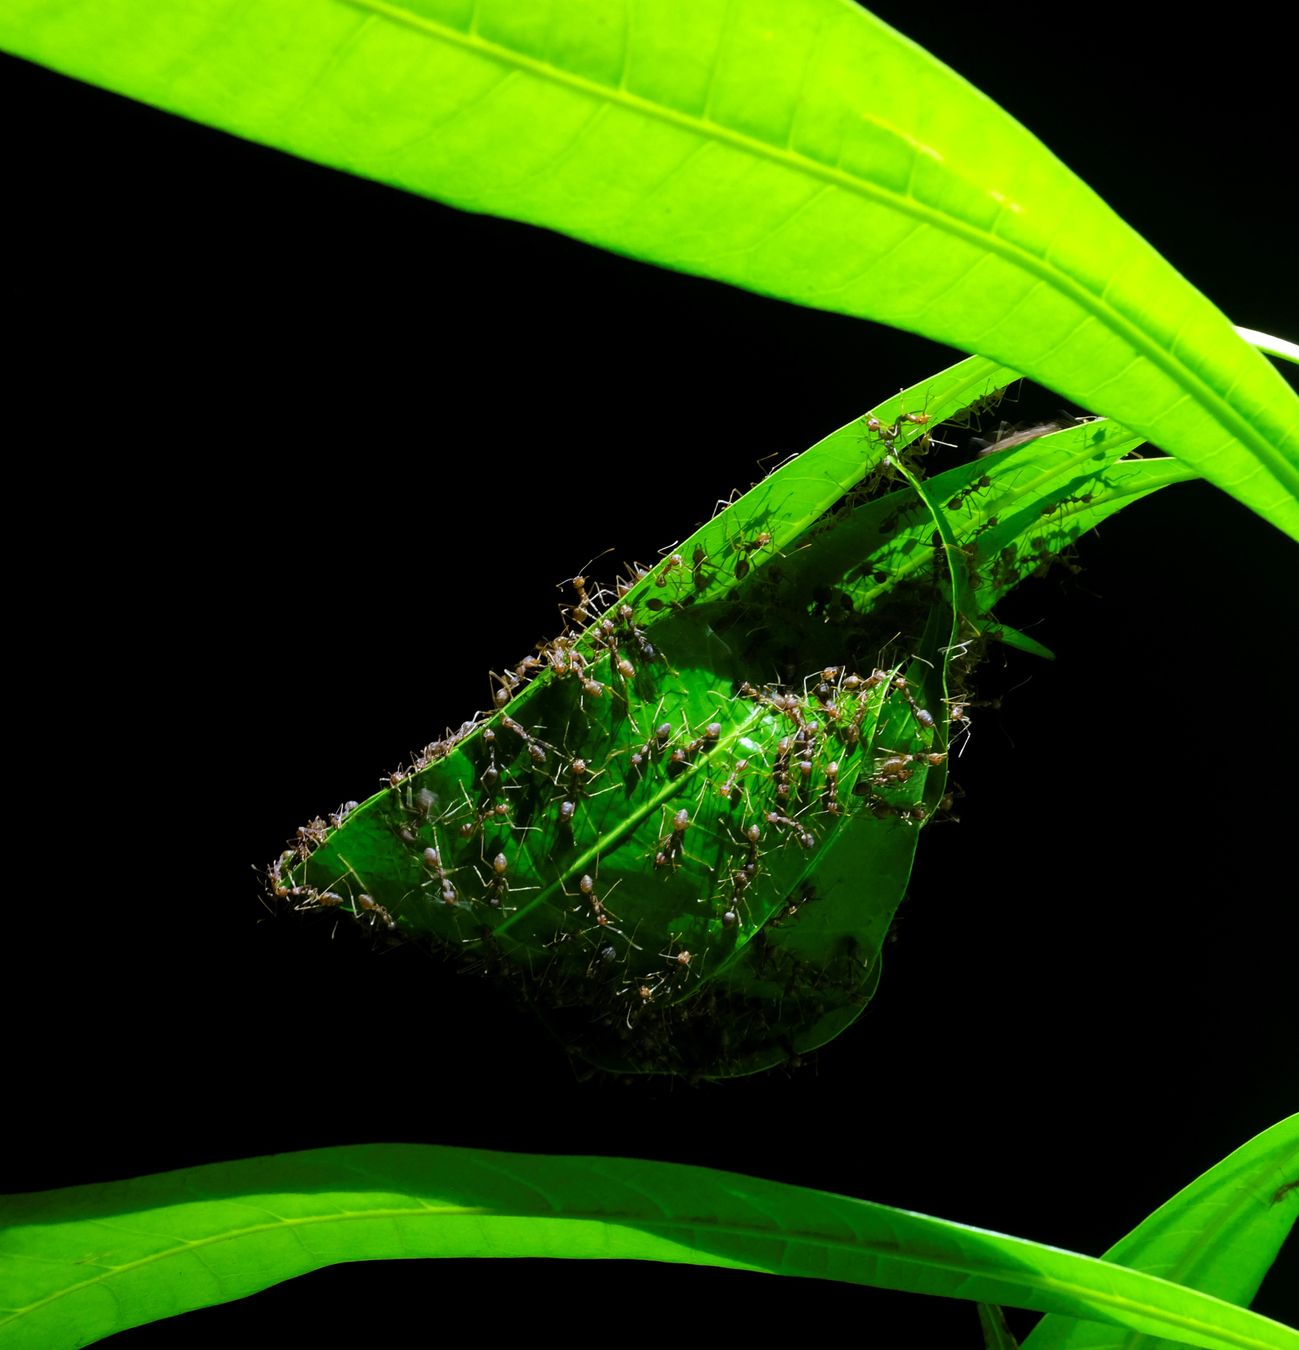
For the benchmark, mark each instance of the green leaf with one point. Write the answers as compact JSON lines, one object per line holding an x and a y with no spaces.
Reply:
{"x":799,"y":148}
{"x":82,"y":1263}
{"x":1220,"y":1235}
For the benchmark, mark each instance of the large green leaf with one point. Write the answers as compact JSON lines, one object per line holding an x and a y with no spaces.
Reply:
{"x":1220,"y":1235}
{"x":800,"y":148}
{"x":82,"y":1263}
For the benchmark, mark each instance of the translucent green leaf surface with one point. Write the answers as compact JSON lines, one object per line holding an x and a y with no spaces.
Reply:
{"x":799,"y":148}
{"x":82,"y":1263}
{"x":1220,"y":1235}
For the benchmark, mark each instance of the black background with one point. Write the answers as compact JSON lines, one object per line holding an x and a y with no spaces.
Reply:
{"x":305,"y":458}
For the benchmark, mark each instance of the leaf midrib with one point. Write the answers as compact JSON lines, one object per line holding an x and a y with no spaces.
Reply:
{"x":630,"y":821}
{"x":1181,"y":374}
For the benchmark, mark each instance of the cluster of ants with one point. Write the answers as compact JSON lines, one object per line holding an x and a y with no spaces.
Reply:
{"x":304,"y":896}
{"x":841,"y":709}
{"x":1036,"y":556}
{"x":823,"y":762}
{"x":758,"y":790}
{"x":805,"y":783}
{"x":804,"y":772}
{"x":619,"y":636}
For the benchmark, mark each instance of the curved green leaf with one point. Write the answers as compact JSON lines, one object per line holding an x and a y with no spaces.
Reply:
{"x":82,"y":1263}
{"x":800,"y":148}
{"x":1220,"y":1235}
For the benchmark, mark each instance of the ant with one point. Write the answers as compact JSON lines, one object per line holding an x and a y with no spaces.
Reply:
{"x":536,"y":747}
{"x":906,"y":508}
{"x":311,"y":835}
{"x":680,"y":962}
{"x":362,"y":902}
{"x":683,"y":754}
{"x":957,"y":713}
{"x":645,"y":648}
{"x":1082,"y":499}
{"x":647,"y":993}
{"x":599,"y":910}
{"x":923,"y":716}
{"x":507,"y":686}
{"x":674,"y":561}
{"x":580,"y":778}
{"x":854,"y":684}
{"x":367,"y":903}
{"x":670,"y":847}
{"x":780,"y":772}
{"x":830,"y":793}
{"x":441,"y":877}
{"x":733,"y":780}
{"x":497,"y":886}
{"x":971,"y":413}
{"x":742,"y":877}
{"x":827,"y":687}
{"x":275,"y":877}
{"x":655,"y":743}
{"x":977,"y":486}
{"x":748,"y":547}
{"x":804,"y":838}
{"x":584,"y":609}
{"x":898,"y":766}
{"x":889,"y":434}
{"x":481,"y":816}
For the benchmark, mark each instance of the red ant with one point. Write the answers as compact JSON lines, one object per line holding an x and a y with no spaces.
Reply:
{"x":748,"y":547}
{"x":599,"y":910}
{"x":674,"y":561}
